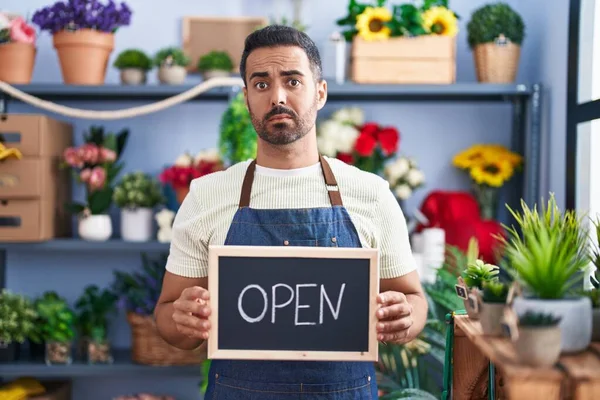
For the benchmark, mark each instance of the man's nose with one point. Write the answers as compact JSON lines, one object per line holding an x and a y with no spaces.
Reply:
{"x":279,"y":96}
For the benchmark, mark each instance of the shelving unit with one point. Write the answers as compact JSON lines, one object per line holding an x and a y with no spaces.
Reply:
{"x":525,"y":139}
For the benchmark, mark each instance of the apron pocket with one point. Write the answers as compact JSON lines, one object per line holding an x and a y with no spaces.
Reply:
{"x":227,"y":388}
{"x":330,"y":241}
{"x":355,"y":389}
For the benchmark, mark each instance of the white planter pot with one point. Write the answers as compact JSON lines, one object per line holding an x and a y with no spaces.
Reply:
{"x":215,"y":73}
{"x":133,"y":76}
{"x":490,"y":317}
{"x":576,"y":319}
{"x":538,"y":346}
{"x":136,"y":224}
{"x":174,"y":75}
{"x":95,"y":228}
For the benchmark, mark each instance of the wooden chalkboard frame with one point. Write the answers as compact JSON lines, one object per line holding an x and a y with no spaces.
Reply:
{"x":216,"y":251}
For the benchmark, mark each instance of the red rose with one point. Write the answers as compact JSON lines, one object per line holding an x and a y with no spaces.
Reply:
{"x":346,"y":157}
{"x":370,"y":129}
{"x":389,"y":138}
{"x":365,"y":144}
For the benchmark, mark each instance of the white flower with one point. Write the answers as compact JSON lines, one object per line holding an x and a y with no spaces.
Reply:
{"x":184,"y":160}
{"x":326,"y":146}
{"x":397,"y":169}
{"x":349,"y":115}
{"x":337,"y":137}
{"x":403,"y":191}
{"x":415,"y":177}
{"x":4,"y":21}
{"x":210,"y":155}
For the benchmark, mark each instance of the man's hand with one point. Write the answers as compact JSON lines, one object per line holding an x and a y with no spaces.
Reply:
{"x":191,"y":311}
{"x":395,"y":317}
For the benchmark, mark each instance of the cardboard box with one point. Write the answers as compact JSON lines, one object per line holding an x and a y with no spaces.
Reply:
{"x":36,"y":135}
{"x":428,"y":59}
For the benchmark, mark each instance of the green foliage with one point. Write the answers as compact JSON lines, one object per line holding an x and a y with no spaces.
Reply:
{"x":133,"y":58}
{"x":17,"y":317}
{"x":595,"y":249}
{"x":495,"y":291}
{"x":237,"y":139}
{"x":215,"y":60}
{"x":538,"y":319}
{"x":93,"y":308}
{"x":478,"y":272}
{"x":56,"y":318}
{"x":550,"y":257}
{"x":138,"y":190}
{"x":298,"y":25}
{"x":493,"y":20}
{"x":170,"y":56}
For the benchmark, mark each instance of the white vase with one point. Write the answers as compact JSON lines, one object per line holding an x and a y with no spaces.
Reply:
{"x":95,"y":227}
{"x":173,"y":75}
{"x":136,"y":224}
{"x":575,"y":323}
{"x":133,"y":76}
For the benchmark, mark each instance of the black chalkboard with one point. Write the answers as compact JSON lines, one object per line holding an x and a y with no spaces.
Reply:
{"x":293,"y":302}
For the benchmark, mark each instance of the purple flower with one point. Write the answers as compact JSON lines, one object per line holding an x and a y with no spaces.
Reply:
{"x":83,"y":14}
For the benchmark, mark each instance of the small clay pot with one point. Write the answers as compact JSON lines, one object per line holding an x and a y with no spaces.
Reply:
{"x":58,"y":353}
{"x":99,"y":352}
{"x":215,"y":73}
{"x":133,"y":76}
{"x":490,"y":316}
{"x":172,"y":75}
{"x":472,"y":307}
{"x":17,"y":64}
{"x":538,"y":346}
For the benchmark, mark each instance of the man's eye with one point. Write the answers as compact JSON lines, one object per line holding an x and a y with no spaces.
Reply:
{"x":295,"y":82}
{"x":261,"y":85}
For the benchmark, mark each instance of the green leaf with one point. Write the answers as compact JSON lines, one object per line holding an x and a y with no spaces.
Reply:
{"x":100,"y":201}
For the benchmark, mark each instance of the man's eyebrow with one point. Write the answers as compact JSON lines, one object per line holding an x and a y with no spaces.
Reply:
{"x":283,"y":73}
{"x":291,"y":72}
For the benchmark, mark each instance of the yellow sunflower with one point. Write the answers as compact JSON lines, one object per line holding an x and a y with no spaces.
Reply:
{"x":492,"y":172}
{"x":371,"y":23}
{"x":440,"y":21}
{"x":470,"y":157}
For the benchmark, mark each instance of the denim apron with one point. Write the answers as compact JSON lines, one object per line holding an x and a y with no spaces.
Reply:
{"x":287,"y":380}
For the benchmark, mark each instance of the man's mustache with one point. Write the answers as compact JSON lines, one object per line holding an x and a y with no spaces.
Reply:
{"x":280,"y":110}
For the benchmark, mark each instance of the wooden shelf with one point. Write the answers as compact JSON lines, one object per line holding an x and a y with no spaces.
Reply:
{"x":122,"y":366}
{"x":68,"y":244}
{"x":577,"y":373}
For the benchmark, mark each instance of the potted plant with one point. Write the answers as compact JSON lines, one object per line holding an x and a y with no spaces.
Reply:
{"x":491,"y":309}
{"x":83,"y":36}
{"x":171,"y":63}
{"x":215,"y":64}
{"x":95,"y":164}
{"x":538,"y":342}
{"x":57,"y":321}
{"x":495,"y":34}
{"x":134,"y":65}
{"x":93,"y":308}
{"x":17,"y":49}
{"x":17,"y":320}
{"x":136,"y":195}
{"x":548,"y":259}
{"x":594,"y":295}
{"x":474,"y":275}
{"x":237,"y":136}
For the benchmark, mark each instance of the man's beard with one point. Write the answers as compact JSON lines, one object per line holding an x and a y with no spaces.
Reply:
{"x":288,"y":130}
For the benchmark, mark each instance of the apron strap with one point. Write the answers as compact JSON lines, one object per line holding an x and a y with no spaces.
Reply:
{"x":330,"y":181}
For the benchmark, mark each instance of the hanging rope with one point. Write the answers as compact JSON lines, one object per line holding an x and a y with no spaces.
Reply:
{"x":128,"y":112}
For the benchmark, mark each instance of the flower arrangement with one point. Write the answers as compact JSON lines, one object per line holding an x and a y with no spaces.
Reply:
{"x":14,"y":29}
{"x":378,"y":22}
{"x":489,"y":166}
{"x":95,"y":165}
{"x":366,"y":145}
{"x":74,"y":15}
{"x":138,"y":190}
{"x":404,"y":176}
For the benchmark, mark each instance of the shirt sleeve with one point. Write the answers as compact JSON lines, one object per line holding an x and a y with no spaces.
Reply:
{"x":396,"y":257}
{"x":188,"y":255}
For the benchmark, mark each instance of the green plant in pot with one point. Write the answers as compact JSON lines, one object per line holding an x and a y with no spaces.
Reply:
{"x":491,"y":309}
{"x":171,"y":63}
{"x":594,"y":292}
{"x":17,"y":321}
{"x":133,"y":65}
{"x":237,"y":137}
{"x":538,"y":343}
{"x":548,"y":258}
{"x":137,"y":194}
{"x":495,"y":34}
{"x":57,"y":323}
{"x":215,"y":64}
{"x":94,"y":308}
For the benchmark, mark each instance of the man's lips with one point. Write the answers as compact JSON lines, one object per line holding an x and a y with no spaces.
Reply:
{"x":279,"y":116}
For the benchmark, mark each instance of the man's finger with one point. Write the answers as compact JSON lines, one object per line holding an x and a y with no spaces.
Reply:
{"x":391,"y":297}
{"x":395,"y":325}
{"x":196,"y":292}
{"x":187,"y":306}
{"x":192,"y":332}
{"x":191,"y":321}
{"x":394,"y":311}
{"x":395,"y":337}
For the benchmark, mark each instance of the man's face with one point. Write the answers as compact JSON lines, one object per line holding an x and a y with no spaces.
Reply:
{"x":281,"y":93}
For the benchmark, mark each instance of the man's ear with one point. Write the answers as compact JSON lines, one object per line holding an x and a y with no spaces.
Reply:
{"x":245,"y":90}
{"x":322,"y":93}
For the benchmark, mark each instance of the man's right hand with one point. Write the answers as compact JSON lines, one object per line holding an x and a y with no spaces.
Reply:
{"x":191,"y":311}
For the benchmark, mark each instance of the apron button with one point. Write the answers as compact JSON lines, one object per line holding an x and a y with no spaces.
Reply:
{"x":333,"y":239}
{"x":285,"y":242}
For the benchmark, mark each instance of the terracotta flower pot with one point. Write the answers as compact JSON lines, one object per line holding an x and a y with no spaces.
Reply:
{"x":180,"y":193}
{"x":83,"y":55}
{"x":17,"y":63}
{"x":538,"y":346}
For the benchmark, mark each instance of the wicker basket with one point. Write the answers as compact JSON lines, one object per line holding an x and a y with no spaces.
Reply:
{"x":496,"y":63}
{"x":150,"y":349}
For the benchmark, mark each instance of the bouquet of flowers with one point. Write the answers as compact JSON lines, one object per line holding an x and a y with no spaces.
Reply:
{"x":73,"y":15}
{"x":404,"y":177}
{"x":489,"y":166}
{"x":365,"y":145}
{"x":95,"y":164}
{"x":187,"y":168}
{"x":14,"y":29}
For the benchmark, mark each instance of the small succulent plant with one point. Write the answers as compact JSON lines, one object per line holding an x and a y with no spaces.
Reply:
{"x":478,"y":272}
{"x":538,"y":319}
{"x":495,"y":291}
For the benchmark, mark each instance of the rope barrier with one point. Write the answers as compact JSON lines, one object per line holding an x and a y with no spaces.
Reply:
{"x":128,"y":112}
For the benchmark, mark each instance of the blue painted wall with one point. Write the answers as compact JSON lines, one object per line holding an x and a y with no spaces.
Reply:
{"x":431,"y":132}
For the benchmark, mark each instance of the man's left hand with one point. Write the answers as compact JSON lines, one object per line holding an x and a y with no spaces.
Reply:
{"x":395,"y":317}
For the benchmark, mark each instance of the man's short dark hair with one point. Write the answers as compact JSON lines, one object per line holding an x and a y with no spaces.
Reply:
{"x":280,"y":35}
